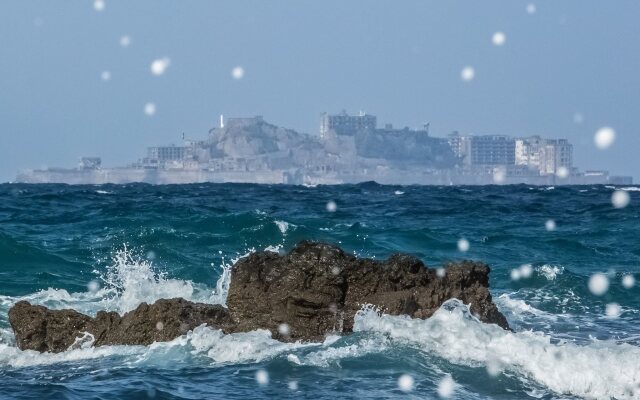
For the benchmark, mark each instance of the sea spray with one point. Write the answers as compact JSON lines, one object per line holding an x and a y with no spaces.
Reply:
{"x":602,"y":369}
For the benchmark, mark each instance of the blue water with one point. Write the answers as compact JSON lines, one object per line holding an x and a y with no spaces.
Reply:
{"x":112,"y":247}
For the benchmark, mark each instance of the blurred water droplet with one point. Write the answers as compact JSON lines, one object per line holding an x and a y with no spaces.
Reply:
{"x":150,"y":109}
{"x":99,"y":5}
{"x":628,"y":281}
{"x":550,"y":225}
{"x":604,"y":137}
{"x":467,"y":74}
{"x":499,"y":38}
{"x":237,"y":73}
{"x":405,"y":383}
{"x":598,"y":284}
{"x":262,"y":377}
{"x":613,"y":310}
{"x":159,"y":66}
{"x":620,"y":198}
{"x":463,"y":245}
{"x":125,"y":41}
{"x":446,"y":387}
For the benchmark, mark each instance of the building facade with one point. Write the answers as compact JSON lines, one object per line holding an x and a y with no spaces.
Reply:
{"x":345,"y":124}
{"x":547,"y":156}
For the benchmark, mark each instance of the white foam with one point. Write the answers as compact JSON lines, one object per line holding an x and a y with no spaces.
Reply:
{"x":601,"y":369}
{"x":283,"y":226}
{"x":134,"y":281}
{"x":331,"y":355}
{"x":14,"y":357}
{"x":520,"y":307}
{"x":549,"y":271}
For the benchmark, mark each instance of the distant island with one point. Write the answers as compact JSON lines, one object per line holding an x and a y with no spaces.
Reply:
{"x":349,"y":149}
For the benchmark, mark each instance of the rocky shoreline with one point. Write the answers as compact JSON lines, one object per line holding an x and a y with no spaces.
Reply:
{"x":314,"y":290}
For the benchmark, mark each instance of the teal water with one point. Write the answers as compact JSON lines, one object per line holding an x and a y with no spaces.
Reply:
{"x":111,"y":247}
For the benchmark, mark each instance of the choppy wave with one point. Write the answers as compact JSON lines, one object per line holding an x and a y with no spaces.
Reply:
{"x":599,"y":370}
{"x":61,"y":246}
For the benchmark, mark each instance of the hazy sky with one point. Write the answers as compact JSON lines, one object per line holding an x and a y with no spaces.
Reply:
{"x":400,"y":60}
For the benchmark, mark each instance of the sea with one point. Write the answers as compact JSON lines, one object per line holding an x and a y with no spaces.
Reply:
{"x":564,"y":265}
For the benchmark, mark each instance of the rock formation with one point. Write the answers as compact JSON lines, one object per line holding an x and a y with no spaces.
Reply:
{"x":41,"y":329}
{"x":313,"y":290}
{"x":317,"y":288}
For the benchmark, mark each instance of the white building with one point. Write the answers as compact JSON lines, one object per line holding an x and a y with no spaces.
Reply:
{"x":547,"y":156}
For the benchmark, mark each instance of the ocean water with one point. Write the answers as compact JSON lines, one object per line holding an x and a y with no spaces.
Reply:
{"x":112,"y":247}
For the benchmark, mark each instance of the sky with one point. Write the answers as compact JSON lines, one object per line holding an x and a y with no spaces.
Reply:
{"x":69,"y":88}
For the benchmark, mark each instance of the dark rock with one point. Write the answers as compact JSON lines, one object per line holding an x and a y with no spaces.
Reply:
{"x":38,"y":328}
{"x":317,"y":288}
{"x":41,"y":329}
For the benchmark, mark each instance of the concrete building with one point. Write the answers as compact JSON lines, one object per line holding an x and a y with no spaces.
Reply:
{"x":461,"y":147}
{"x":483,"y":150}
{"x":492,"y":150}
{"x":546,"y":156}
{"x":345,"y":124}
{"x":167,"y":153}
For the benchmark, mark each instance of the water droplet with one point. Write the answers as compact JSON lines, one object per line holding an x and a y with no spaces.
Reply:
{"x":293,"y":385}
{"x":531,"y":8}
{"x":237,"y":73}
{"x":405,"y":383}
{"x":620,"y":199}
{"x":150,"y":109}
{"x":598,"y":284}
{"x":562,"y":172}
{"x":99,"y":5}
{"x":499,"y":176}
{"x":332,"y":206}
{"x":550,"y":225}
{"x":441,"y":272}
{"x":463,"y":245}
{"x":613,"y":310}
{"x":628,"y":281}
{"x":284,"y":329}
{"x":262,"y":377}
{"x":467,"y":74}
{"x":515,"y":274}
{"x":159,"y":326}
{"x":105,"y":75}
{"x":526,"y":271}
{"x":446,"y":387}
{"x":499,"y":38}
{"x":125,"y":41}
{"x":604,"y":137}
{"x":93,"y":286}
{"x":160,"y":65}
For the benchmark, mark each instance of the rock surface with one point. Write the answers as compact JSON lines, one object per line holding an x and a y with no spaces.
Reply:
{"x":44,"y":330}
{"x":317,"y":288}
{"x":313,"y":290}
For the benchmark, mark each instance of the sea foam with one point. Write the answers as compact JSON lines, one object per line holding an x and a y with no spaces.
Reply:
{"x":602,"y":369}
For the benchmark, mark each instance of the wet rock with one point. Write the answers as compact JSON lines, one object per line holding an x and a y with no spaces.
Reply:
{"x":313,"y":290}
{"x":38,"y":328}
{"x":317,"y":288}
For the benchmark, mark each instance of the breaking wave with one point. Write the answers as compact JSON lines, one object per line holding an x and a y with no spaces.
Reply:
{"x":600,"y":369}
